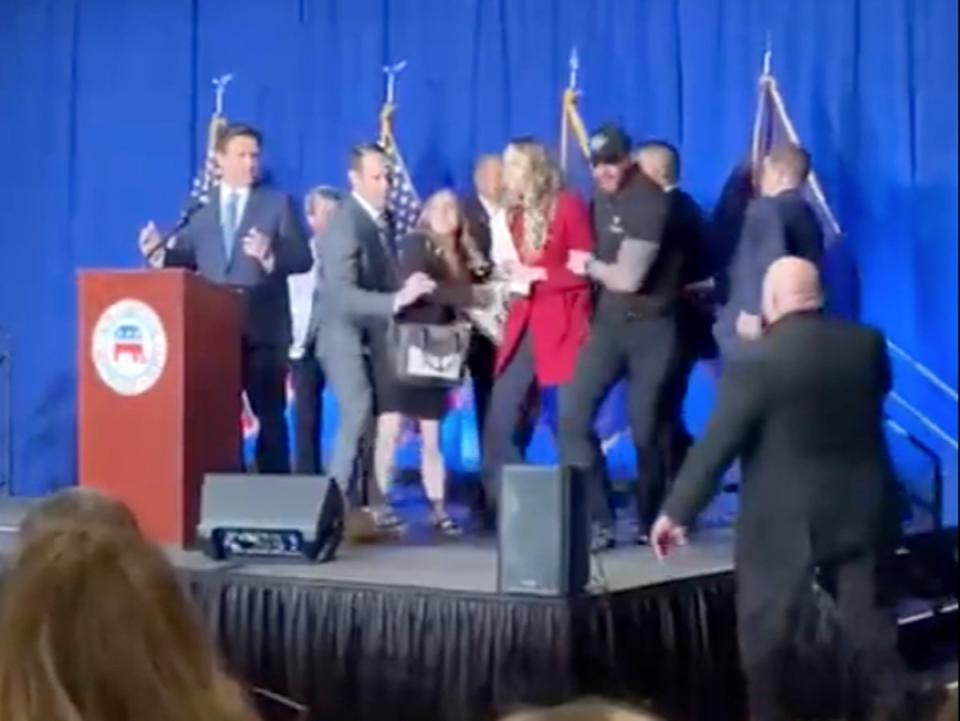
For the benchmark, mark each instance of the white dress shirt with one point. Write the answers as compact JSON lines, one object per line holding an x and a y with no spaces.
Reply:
{"x":502,"y":249}
{"x":243,"y":195}
{"x":302,"y":286}
{"x":488,"y":206}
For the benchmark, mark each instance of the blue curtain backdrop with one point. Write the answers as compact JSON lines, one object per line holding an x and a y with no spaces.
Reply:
{"x":103,"y":106}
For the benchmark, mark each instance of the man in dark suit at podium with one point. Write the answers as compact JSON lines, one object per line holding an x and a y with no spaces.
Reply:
{"x":247,"y":237}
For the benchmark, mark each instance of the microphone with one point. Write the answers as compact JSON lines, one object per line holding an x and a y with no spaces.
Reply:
{"x":195,"y":203}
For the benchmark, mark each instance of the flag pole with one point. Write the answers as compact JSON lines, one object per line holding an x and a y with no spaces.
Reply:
{"x":568,"y":93}
{"x":570,"y":118}
{"x":389,"y":103}
{"x":794,"y":137}
{"x":209,"y":174}
{"x":764,"y":83}
{"x":218,"y":120}
{"x":768,"y":84}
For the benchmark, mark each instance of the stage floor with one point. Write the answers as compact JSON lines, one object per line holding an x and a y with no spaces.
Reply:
{"x":425,"y":560}
{"x":469,"y":565}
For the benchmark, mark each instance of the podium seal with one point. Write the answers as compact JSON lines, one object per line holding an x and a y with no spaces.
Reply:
{"x":129,"y":347}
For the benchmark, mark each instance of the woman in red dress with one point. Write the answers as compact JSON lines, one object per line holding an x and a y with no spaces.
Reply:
{"x":549,"y":316}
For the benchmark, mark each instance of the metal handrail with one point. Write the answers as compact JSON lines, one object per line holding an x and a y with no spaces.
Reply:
{"x":924,"y":420}
{"x":924,"y":372}
{"x":937,"y":464}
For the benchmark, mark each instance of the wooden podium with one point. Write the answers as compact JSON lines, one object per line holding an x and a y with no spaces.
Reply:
{"x":159,"y":392}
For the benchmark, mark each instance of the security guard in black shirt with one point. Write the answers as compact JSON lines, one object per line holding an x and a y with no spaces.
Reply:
{"x":638,"y":271}
{"x":659,"y":161}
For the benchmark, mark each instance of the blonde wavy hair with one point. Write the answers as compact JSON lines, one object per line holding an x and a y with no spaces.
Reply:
{"x":536,"y":198}
{"x":96,"y":627}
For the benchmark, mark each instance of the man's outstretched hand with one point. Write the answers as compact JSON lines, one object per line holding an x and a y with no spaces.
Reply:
{"x":414,"y":288}
{"x":666,"y":536}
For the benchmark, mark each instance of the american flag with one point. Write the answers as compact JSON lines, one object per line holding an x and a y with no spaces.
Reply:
{"x":206,"y":180}
{"x":208,"y":174}
{"x":403,"y":203}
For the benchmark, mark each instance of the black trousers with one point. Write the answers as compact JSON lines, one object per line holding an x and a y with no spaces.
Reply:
{"x":693,"y":341}
{"x":264,"y":380}
{"x":771,"y":598}
{"x":309,"y":382}
{"x":643,"y":349}
{"x":481,"y":361}
{"x":510,"y":420}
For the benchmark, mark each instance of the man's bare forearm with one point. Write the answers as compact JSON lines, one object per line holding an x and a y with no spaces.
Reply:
{"x":630,"y":270}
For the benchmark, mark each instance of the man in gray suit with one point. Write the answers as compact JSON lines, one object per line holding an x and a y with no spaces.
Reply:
{"x":362,"y":289}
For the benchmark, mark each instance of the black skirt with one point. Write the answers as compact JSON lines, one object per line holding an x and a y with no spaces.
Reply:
{"x":391,"y":395}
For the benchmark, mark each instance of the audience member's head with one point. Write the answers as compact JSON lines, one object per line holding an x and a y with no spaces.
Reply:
{"x":76,"y":508}
{"x":791,"y":285}
{"x":96,"y":627}
{"x":786,"y":167}
{"x":368,"y":174}
{"x":318,"y":207}
{"x":659,"y":161}
{"x":488,"y":178}
{"x":586,"y":710}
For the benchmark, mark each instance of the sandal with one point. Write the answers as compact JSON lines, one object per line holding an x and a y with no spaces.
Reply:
{"x":386,"y":519}
{"x":447,"y":526}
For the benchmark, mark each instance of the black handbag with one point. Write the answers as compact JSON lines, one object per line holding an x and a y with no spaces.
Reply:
{"x":430,"y":355}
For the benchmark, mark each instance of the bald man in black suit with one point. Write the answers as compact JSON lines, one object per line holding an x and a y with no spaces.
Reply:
{"x":802,"y":409}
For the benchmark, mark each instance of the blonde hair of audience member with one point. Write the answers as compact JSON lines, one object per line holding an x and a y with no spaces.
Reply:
{"x":585,"y":710}
{"x":441,"y":220}
{"x":791,"y":285}
{"x":96,"y":627}
{"x":531,"y":183}
{"x":77,"y":507}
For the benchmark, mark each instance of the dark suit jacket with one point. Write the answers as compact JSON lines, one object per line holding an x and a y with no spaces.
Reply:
{"x":695,"y":313}
{"x":199,"y":246}
{"x":773,"y":227}
{"x":685,"y":221}
{"x":360,"y":268}
{"x":804,"y":413}
{"x":478,"y":222}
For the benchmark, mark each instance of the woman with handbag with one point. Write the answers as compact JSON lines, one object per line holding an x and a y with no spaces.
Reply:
{"x":548,"y":319}
{"x":426,"y":353}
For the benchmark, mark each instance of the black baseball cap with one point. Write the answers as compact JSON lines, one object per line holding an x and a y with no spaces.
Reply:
{"x":609,"y":144}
